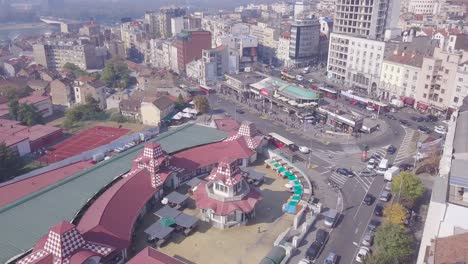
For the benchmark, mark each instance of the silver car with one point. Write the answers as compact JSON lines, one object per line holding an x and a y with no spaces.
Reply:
{"x":368,"y":239}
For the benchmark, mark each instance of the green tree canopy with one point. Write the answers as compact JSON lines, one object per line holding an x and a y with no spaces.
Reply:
{"x":394,"y":244}
{"x":395,"y":214}
{"x":77,"y":71}
{"x":88,"y":111}
{"x":201,"y":104}
{"x":10,"y":163}
{"x":408,"y":185}
{"x":29,"y":115}
{"x":13,"y":106}
{"x":180,"y":103}
{"x":116,"y":73}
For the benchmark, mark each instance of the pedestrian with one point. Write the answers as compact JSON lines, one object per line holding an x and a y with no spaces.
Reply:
{"x":258,"y":230}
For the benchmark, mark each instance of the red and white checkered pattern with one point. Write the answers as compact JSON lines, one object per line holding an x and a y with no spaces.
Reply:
{"x":33,"y":257}
{"x":62,"y":246}
{"x":102,"y":250}
{"x":153,"y":150}
{"x":228,"y":172}
{"x":248,"y":131}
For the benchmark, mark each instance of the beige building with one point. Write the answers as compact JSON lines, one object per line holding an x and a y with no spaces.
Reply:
{"x":61,"y":93}
{"x":399,"y":76}
{"x":154,"y":110}
{"x":86,"y":86}
{"x":437,"y":86}
{"x":461,"y":85}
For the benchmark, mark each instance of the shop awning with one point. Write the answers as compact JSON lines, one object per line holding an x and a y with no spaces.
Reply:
{"x":409,"y":101}
{"x":422,"y":106}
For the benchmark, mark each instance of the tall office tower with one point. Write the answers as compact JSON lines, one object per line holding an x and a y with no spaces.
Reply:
{"x":304,"y":43}
{"x":152,"y":23}
{"x":301,"y":9}
{"x":165,"y":16}
{"x":356,"y":49}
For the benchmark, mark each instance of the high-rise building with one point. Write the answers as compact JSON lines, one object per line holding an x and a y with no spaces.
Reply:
{"x":165,"y":16}
{"x":304,"y":43}
{"x":189,"y":46}
{"x":301,"y":9}
{"x":152,"y":23}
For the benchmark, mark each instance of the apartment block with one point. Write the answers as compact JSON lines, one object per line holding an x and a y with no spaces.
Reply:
{"x":304,"y":43}
{"x":267,"y":41}
{"x":189,"y":45}
{"x":152,"y":23}
{"x":423,"y":7}
{"x":244,"y":45}
{"x":165,"y":16}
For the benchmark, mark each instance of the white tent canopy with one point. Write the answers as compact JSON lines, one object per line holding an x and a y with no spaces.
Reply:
{"x":190,"y":111}
{"x":177,"y":116}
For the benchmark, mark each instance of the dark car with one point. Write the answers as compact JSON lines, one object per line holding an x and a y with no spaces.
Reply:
{"x":424,"y":129}
{"x":431,"y":118}
{"x":420,"y":119}
{"x":404,"y":122}
{"x":391,"y":117}
{"x":345,"y":172}
{"x":321,"y":236}
{"x":405,"y":166}
{"x":378,"y":211}
{"x":368,"y":199}
{"x":240,"y":111}
{"x":293,"y":147}
{"x":373,"y":225}
{"x":391,"y":149}
{"x":367,"y":173}
{"x":313,"y":251}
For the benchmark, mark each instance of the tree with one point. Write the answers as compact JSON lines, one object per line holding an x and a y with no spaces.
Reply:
{"x":10,"y":162}
{"x":29,"y":116}
{"x":409,"y":186}
{"x":395,"y":214}
{"x":180,"y":103}
{"x":394,"y":243}
{"x":116,"y":73}
{"x":77,"y":71}
{"x":13,"y":107}
{"x":201,"y":104}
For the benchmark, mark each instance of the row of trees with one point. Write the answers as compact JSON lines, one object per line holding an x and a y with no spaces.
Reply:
{"x":10,"y":163}
{"x":394,"y":241}
{"x":82,"y":112}
{"x":25,"y":113}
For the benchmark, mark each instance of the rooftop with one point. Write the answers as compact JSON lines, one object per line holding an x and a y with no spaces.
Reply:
{"x":407,"y":59}
{"x":246,"y":77}
{"x":452,"y":249}
{"x":151,"y":256}
{"x":64,"y":199}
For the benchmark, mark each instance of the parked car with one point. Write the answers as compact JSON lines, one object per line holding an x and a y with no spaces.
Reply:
{"x":331,"y":258}
{"x":368,"y":199}
{"x":367,"y":173}
{"x":240,"y":111}
{"x":303,"y":261}
{"x":391,"y":117}
{"x":321,"y":236}
{"x":370,"y":108}
{"x":293,"y":147}
{"x":385,"y":196}
{"x":423,"y":129}
{"x":304,"y":149}
{"x":378,"y":211}
{"x":373,"y":224}
{"x":368,"y":239}
{"x":371,"y":163}
{"x":440,"y":130}
{"x":404,"y":122}
{"x":432,"y":118}
{"x":391,"y":149}
{"x":345,"y":172}
{"x":388,"y":186}
{"x":313,"y":251}
{"x":362,"y":254}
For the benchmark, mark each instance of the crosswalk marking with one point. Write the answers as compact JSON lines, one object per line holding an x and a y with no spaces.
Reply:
{"x":338,"y":179}
{"x":404,"y":152}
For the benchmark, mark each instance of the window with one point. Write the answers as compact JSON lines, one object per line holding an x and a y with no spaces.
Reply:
{"x":430,"y":67}
{"x":428,"y":77}
{"x":443,"y":91}
{"x":426,"y":86}
{"x":441,"y":100}
{"x":424,"y":95}
{"x":455,"y":99}
{"x":460,"y":79}
{"x":446,"y":71}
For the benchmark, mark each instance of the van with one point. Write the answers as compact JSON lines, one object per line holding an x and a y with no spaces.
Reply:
{"x":383,"y":166}
{"x":390,"y":173}
{"x":330,"y":218}
{"x":299,"y":78}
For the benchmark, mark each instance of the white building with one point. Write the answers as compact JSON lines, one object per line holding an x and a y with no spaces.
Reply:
{"x":240,"y":29}
{"x":160,"y":53}
{"x":177,"y":25}
{"x":282,"y":51}
{"x":244,"y":45}
{"x":301,"y":9}
{"x":423,"y":7}
{"x":282,"y":8}
{"x":461,"y":85}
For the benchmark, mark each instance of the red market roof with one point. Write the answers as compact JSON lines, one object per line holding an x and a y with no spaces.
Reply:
{"x":246,"y":205}
{"x":117,"y":209}
{"x":152,"y":256}
{"x":203,"y":156}
{"x":249,"y":133}
{"x":227,"y":124}
{"x":19,"y":189}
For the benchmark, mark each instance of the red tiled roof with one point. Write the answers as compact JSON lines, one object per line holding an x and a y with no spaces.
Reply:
{"x":203,"y":156}
{"x":152,"y":256}
{"x":246,"y":205}
{"x":81,"y":256}
{"x":452,"y":249}
{"x":16,"y":190}
{"x":117,"y":209}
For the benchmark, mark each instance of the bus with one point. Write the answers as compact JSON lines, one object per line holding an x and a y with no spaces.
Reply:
{"x":285,"y":75}
{"x":329,"y":93}
{"x":207,"y":89}
{"x":280,"y":141}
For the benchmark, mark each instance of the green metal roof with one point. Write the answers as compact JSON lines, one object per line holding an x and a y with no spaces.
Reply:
{"x":300,"y":93}
{"x":25,"y":221}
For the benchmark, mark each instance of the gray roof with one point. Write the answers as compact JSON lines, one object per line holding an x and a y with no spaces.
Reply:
{"x":185,"y":220}
{"x":176,"y":197}
{"x":156,"y":230}
{"x":167,"y":211}
{"x":440,"y":190}
{"x":458,"y":175}
{"x":460,"y":141}
{"x":23,"y":222}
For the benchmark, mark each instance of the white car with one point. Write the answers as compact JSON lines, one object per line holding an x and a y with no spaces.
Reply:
{"x":440,"y":130}
{"x":370,"y":108}
{"x":304,"y":149}
{"x":299,"y":77}
{"x":362,"y":254}
{"x":371,"y":164}
{"x":303,"y":261}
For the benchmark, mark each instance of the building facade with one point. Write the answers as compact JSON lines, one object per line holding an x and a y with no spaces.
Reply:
{"x":84,"y":87}
{"x":244,"y":45}
{"x":189,"y":45}
{"x":165,"y":16}
{"x":304,"y":43}
{"x":152,"y":23}
{"x":267,"y":38}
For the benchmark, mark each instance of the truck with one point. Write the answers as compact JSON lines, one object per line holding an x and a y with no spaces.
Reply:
{"x":390,"y":173}
{"x":397,"y":103}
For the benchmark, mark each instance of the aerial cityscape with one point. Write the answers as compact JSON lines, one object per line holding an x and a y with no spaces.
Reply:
{"x":243,"y":132}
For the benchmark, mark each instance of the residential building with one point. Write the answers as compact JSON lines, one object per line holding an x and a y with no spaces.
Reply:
{"x":282,"y":51}
{"x":165,"y":16}
{"x":154,"y":110}
{"x":160,"y":53}
{"x":424,"y":7}
{"x":449,"y":199}
{"x":43,"y":105}
{"x":304,"y":43}
{"x":189,"y":45}
{"x":152,"y":23}
{"x":61,"y":93}
{"x":244,"y":45}
{"x":267,"y":38}
{"x":400,"y":75}
{"x":241,"y":29}
{"x":132,"y":35}
{"x":326,"y":25}
{"x":461,"y":85}
{"x":39,"y":86}
{"x":302,"y":10}
{"x":219,"y":26}
{"x":177,"y":25}
{"x":116,"y":48}
{"x":436,"y":91}
{"x":55,"y":53}
{"x":282,"y":8}
{"x":85,"y":86}
{"x":226,"y":199}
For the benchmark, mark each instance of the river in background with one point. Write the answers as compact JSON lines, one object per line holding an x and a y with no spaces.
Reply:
{"x":13,"y":31}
